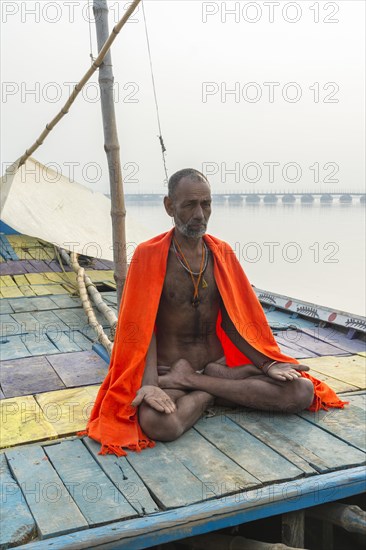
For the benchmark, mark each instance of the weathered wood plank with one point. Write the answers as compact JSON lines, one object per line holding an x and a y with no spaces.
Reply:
{"x":247,"y":451}
{"x":46,"y":290}
{"x":7,"y":280}
{"x":68,"y":410}
{"x":28,"y":376}
{"x":293,"y":350}
{"x":13,"y":347}
{"x":70,"y":318}
{"x":9,"y":326}
{"x":23,"y":421}
{"x":53,"y":509}
{"x":336,"y":338}
{"x":82,"y":341}
{"x":332,"y":451}
{"x":218,"y":473}
{"x":13,"y":268}
{"x":98,"y":499}
{"x":167,"y":479}
{"x":66,"y":301}
{"x":11,"y":292}
{"x":31,"y":304}
{"x":125,"y":478}
{"x":64,"y":341}
{"x":348,"y":424}
{"x":17,"y":525}
{"x":79,"y":368}
{"x":337,"y":385}
{"x":303,"y":340}
{"x":27,"y":321}
{"x":5,"y":306}
{"x":347,"y":369}
{"x":39,"y":344}
{"x":49,"y":322}
{"x":254,"y":423}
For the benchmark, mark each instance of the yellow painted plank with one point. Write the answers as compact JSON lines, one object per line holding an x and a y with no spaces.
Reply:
{"x":68,"y":410}
{"x":20,"y":280}
{"x":362,"y":353}
{"x":336,"y":385}
{"x":11,"y":292}
{"x":44,"y":290}
{"x":6,"y":280}
{"x":22,"y":421}
{"x":350,"y":370}
{"x":99,"y":275}
{"x":27,"y":290}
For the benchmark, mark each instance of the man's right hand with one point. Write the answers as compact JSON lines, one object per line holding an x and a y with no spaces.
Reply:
{"x":156,"y":398}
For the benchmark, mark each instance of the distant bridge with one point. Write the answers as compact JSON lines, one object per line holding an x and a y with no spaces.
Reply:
{"x":346,"y":197}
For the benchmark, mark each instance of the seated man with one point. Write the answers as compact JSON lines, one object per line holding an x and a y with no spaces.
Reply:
{"x":191,"y":332}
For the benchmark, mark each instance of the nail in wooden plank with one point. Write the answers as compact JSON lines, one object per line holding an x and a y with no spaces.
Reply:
{"x":124,"y":477}
{"x":97,"y":497}
{"x":52,"y":506}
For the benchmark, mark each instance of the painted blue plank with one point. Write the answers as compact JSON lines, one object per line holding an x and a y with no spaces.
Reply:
{"x":9,"y":326}
{"x":39,"y":344}
{"x":52,"y":506}
{"x":7,"y":229}
{"x":32,"y":303}
{"x":13,"y":347}
{"x":102,"y":352}
{"x":98,"y":499}
{"x":5,"y":306}
{"x":216,"y":514}
{"x":17,"y":525}
{"x":63,"y":341}
{"x":125,"y":478}
{"x":6,"y":250}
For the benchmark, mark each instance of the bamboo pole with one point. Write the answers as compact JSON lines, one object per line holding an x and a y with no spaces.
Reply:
{"x":112,"y":149}
{"x":78,"y":87}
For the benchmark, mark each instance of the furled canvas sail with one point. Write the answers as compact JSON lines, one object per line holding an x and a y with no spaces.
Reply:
{"x":37,"y":201}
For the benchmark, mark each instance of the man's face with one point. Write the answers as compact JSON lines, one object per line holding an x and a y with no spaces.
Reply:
{"x":191,"y":207}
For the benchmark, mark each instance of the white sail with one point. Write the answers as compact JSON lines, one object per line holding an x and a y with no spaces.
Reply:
{"x":42,"y":203}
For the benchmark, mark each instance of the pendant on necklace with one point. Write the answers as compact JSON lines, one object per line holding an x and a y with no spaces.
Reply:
{"x":195,"y":302}
{"x":204,"y":283}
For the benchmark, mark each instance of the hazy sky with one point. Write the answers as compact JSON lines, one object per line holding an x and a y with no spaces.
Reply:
{"x":294,"y":118}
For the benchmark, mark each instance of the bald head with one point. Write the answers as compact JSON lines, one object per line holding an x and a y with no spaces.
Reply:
{"x":187,"y":174}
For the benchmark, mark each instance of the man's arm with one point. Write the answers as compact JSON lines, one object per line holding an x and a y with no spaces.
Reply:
{"x":150,"y":392}
{"x":274,"y":369}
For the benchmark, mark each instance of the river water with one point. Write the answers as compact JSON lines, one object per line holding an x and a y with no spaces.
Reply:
{"x":311,"y":252}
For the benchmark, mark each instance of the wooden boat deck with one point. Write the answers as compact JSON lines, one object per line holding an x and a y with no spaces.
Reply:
{"x":234,"y":466}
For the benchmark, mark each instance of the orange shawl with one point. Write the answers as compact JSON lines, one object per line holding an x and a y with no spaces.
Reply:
{"x":113,"y":421}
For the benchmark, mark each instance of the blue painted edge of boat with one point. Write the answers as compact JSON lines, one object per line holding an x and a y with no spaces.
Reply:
{"x":5,"y":228}
{"x":207,"y":516}
{"x":102,"y":352}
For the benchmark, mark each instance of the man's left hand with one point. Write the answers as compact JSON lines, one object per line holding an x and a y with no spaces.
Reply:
{"x":285,"y":371}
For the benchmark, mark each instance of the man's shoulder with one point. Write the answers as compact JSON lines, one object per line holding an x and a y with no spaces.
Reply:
{"x":158,"y":239}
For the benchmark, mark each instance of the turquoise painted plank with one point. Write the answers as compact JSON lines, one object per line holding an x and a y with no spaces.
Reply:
{"x":98,"y":499}
{"x":5,"y":306}
{"x":79,"y":368}
{"x":348,"y":424}
{"x":170,"y":483}
{"x":125,"y":478}
{"x":251,"y":454}
{"x":336,"y":338}
{"x":13,"y":347}
{"x":254,"y":423}
{"x":39,"y":344}
{"x":213,"y":515}
{"x":70,"y":318}
{"x":28,"y":376}
{"x":6,"y":250}
{"x":27,"y":321}
{"x":52,"y":506}
{"x":17,"y":525}
{"x":357,"y":399}
{"x":219,"y":475}
{"x":332,"y":451}
{"x":65,"y":301}
{"x":31,"y":303}
{"x":82,"y":341}
{"x":49,"y":322}
{"x":63,"y":341}
{"x":9,"y":326}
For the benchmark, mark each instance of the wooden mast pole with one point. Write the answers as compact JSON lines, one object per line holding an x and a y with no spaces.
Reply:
{"x":112,"y":149}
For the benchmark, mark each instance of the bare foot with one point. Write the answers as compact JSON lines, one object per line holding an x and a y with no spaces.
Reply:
{"x":231,"y":373}
{"x":178,"y":377}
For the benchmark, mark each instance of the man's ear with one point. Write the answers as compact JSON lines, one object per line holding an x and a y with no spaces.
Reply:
{"x":168,"y":203}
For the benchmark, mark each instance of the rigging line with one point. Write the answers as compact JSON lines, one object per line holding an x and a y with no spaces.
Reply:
{"x":90,"y":34}
{"x":160,"y":136}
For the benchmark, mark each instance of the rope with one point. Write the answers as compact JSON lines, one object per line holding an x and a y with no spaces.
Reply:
{"x":92,"y":58}
{"x":160,"y":136}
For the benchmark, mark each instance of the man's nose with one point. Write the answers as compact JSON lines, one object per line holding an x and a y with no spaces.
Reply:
{"x":198,"y":213}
